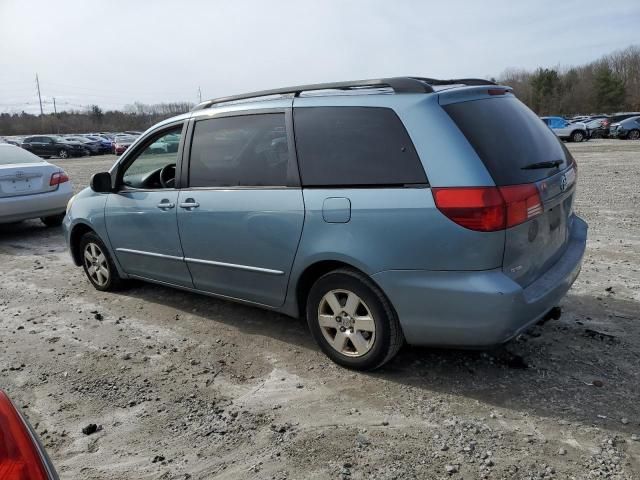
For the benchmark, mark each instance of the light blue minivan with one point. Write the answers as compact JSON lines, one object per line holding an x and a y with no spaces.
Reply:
{"x":436,"y":212}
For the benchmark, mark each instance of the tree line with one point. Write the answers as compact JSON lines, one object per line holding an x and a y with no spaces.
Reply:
{"x":607,"y":85}
{"x":138,"y":116}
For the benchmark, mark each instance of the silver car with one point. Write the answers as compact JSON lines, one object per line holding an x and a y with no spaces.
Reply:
{"x":575,"y":132}
{"x":31,"y":187}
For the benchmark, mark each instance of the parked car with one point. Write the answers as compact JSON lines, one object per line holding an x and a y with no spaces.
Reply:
{"x":167,"y":144}
{"x":628,"y":128}
{"x":393,"y":216}
{"x":575,"y":132}
{"x":104,"y":145}
{"x":121,"y":144}
{"x":598,"y":127}
{"x":10,"y":141}
{"x":31,"y":187}
{"x":618,"y":117}
{"x":48,"y":146}
{"x":93,"y":146}
{"x":105,"y":136}
{"x":22,"y":456}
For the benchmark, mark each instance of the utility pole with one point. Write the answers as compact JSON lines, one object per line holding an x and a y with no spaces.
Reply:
{"x":199,"y":95}
{"x":55,"y":112}
{"x":39,"y":97}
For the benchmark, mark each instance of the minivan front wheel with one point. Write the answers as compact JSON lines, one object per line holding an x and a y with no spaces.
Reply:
{"x":353,"y":321}
{"x":97,"y":263}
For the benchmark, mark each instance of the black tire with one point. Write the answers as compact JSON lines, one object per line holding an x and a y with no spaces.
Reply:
{"x":63,"y":153}
{"x":53,"y":220}
{"x":578,"y":136}
{"x":114,"y":281}
{"x":633,"y":134}
{"x":387,"y":339}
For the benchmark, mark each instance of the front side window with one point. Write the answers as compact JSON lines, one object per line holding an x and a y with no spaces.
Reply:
{"x":248,"y":150}
{"x":351,"y":146}
{"x":155,"y":166}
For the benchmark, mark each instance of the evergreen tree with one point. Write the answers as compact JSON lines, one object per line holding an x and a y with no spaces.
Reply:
{"x":609,"y":91}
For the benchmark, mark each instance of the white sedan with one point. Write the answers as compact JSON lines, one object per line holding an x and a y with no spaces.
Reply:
{"x":31,"y":187}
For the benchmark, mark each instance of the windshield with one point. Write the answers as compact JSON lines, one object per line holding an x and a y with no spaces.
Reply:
{"x":11,"y":155}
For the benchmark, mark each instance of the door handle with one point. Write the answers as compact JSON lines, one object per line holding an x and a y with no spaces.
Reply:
{"x":166,"y":205}
{"x":189,"y":204}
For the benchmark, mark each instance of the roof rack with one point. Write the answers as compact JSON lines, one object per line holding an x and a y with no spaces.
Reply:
{"x":397,"y":84}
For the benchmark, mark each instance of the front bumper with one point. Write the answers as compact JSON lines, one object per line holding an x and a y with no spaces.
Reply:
{"x":478,"y":308}
{"x":24,"y":207}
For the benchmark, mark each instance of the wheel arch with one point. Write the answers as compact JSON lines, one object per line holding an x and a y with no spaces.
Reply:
{"x":314,"y":271}
{"x":74,"y":241}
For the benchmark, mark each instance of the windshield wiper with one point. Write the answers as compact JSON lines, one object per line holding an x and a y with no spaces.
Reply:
{"x":551,"y":164}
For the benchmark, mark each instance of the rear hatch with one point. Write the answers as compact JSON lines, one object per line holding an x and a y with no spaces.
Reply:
{"x":26,"y":179}
{"x":517,"y":148}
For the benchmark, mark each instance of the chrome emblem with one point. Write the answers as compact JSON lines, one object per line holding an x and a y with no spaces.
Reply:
{"x":563,"y":183}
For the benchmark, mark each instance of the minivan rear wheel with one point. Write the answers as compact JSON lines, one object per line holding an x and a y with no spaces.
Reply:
{"x":98,"y":264}
{"x":352,"y":320}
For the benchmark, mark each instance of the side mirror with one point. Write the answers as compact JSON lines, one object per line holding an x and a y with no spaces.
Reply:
{"x":101,"y":182}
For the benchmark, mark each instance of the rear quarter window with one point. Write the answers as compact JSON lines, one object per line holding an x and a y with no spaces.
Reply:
{"x":508,"y":136}
{"x":354,"y":146}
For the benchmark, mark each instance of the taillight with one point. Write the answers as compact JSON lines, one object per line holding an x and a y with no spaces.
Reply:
{"x":20,"y":457}
{"x":58,"y":178}
{"x":522,"y":203}
{"x":487,"y":209}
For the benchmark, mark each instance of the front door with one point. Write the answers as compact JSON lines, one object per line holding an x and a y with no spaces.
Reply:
{"x":39,"y":146}
{"x":241,"y":216}
{"x":141,"y":217}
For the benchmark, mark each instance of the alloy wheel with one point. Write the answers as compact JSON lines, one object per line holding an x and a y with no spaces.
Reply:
{"x":63,"y":154}
{"x":346,"y":323}
{"x":96,"y":264}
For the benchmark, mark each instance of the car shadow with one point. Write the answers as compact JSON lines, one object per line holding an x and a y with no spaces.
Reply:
{"x":28,"y":237}
{"x":580,"y":368}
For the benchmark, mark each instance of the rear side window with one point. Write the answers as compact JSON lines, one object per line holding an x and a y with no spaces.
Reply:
{"x":249,"y":150}
{"x":507,"y":136}
{"x":354,"y":146}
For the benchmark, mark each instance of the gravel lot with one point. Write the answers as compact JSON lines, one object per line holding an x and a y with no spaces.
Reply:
{"x":185,"y":386}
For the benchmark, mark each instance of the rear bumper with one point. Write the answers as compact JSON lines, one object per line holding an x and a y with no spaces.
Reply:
{"x":14,"y":209}
{"x":481,"y":308}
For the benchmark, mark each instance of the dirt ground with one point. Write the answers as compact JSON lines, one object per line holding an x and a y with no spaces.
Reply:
{"x":185,"y":386}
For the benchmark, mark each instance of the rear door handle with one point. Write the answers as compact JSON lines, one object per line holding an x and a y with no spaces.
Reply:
{"x":189,"y":203}
{"x":166,"y":205}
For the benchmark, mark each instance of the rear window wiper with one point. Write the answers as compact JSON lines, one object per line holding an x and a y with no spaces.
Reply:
{"x":550,"y":164}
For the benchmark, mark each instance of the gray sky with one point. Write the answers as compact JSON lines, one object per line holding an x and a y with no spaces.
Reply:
{"x":115,"y":52}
